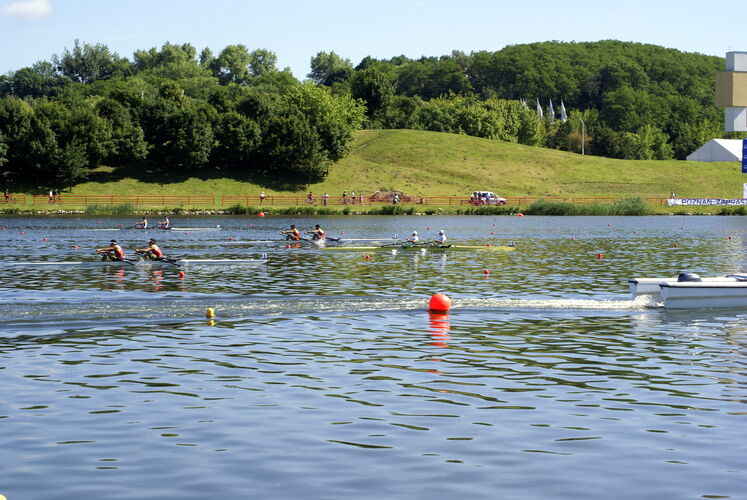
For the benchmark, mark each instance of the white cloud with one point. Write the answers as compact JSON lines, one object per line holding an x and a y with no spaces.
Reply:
{"x":29,"y":9}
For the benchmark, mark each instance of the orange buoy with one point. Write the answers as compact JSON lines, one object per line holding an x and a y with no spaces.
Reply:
{"x":676,"y":245}
{"x":45,"y":239}
{"x":367,"y":257}
{"x":230,"y":238}
{"x":181,"y":275}
{"x":599,"y":256}
{"x":287,"y":246}
{"x":75,"y":247}
{"x":261,"y":214}
{"x":520,"y":214}
{"x":439,"y":303}
{"x":486,"y":271}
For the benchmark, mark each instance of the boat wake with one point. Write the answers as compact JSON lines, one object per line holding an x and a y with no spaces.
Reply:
{"x":56,"y":316}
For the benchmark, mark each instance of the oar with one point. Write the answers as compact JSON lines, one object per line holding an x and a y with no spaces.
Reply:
{"x":167,"y":260}
{"x":121,"y":260}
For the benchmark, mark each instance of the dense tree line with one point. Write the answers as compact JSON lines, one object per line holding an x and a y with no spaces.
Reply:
{"x":174,"y":109}
{"x":635,"y":100}
{"x":170,"y":110}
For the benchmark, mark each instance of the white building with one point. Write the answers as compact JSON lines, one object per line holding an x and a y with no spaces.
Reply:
{"x":718,"y":150}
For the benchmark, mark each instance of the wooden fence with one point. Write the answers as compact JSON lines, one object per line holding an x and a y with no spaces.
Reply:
{"x":138,"y":201}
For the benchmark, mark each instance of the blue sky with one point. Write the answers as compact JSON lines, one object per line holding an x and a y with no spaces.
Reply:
{"x":295,"y":30}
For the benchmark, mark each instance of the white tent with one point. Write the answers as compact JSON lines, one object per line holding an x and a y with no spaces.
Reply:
{"x":718,"y":150}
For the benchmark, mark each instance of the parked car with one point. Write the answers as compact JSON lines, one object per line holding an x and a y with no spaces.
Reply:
{"x":486,"y":198}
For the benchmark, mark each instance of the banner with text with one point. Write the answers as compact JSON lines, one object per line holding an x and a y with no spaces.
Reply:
{"x":705,"y":201}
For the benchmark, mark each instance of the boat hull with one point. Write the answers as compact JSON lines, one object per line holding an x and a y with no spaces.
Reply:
{"x":411,"y":248}
{"x":652,"y":286}
{"x":704,"y":294}
{"x":150,"y":264}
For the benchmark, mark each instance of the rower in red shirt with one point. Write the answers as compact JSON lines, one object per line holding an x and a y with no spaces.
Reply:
{"x":151,"y":251}
{"x":112,"y":252}
{"x":292,"y":234}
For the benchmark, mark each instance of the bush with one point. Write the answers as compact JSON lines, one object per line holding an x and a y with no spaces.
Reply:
{"x":630,"y":206}
{"x":121,"y":209}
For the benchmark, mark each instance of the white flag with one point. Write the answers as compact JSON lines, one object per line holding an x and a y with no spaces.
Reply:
{"x":552,"y":113}
{"x":563,"y":115}
{"x":539,"y":109}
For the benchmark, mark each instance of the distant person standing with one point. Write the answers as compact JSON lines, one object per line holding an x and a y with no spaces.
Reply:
{"x":344,"y":197}
{"x":325,"y":198}
{"x":262,"y":197}
{"x":51,"y":196}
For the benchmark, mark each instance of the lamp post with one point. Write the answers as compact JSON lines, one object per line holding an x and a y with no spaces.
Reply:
{"x":583,"y":135}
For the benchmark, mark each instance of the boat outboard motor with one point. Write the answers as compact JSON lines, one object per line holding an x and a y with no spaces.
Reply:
{"x":688,"y":276}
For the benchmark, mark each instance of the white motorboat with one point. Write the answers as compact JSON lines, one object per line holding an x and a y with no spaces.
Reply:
{"x":689,"y":291}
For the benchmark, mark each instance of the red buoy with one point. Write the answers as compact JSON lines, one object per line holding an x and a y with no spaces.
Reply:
{"x":599,"y":256}
{"x":486,"y":271}
{"x":520,"y":214}
{"x":676,"y":245}
{"x":439,"y":303}
{"x":181,"y":275}
{"x":261,"y":214}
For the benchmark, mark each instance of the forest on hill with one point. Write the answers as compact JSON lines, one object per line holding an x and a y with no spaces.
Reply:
{"x":172,"y":109}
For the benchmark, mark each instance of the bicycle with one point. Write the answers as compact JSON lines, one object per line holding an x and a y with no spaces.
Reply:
{"x":8,"y":198}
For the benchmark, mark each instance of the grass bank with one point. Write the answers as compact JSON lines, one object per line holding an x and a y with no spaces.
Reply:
{"x":431,"y":164}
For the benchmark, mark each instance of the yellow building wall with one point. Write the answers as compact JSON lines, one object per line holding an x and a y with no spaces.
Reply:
{"x":731,"y":89}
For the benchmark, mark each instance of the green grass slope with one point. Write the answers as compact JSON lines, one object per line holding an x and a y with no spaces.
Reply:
{"x":421,"y":163}
{"x":431,"y":163}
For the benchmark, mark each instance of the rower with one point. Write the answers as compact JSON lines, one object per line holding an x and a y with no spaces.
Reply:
{"x":151,"y":251}
{"x":112,"y":252}
{"x":292,"y":234}
{"x":441,"y":238}
{"x":143,"y":224}
{"x":317,"y":234}
{"x":164,"y":224}
{"x":413,"y":238}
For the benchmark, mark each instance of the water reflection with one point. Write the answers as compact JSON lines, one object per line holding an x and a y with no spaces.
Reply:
{"x":324,"y":368}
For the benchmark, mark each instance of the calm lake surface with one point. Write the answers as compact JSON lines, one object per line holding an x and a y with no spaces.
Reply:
{"x":324,"y":376}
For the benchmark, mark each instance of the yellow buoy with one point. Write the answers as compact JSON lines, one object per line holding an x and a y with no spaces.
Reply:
{"x":210,"y":312}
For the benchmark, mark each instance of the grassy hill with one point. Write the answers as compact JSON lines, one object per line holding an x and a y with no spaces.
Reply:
{"x":423,"y":163}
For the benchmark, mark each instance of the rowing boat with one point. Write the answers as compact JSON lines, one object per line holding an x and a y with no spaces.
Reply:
{"x":216,"y":228}
{"x":428,"y":248}
{"x":140,"y":263}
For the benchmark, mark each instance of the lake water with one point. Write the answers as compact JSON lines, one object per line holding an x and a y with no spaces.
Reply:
{"x":324,"y":376}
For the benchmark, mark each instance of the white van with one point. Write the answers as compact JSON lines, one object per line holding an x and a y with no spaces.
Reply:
{"x":486,"y":198}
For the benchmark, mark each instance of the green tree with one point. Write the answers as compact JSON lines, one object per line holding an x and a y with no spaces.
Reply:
{"x":237,"y":139}
{"x":374,"y":88}
{"x":262,"y":61}
{"x":328,"y":68}
{"x":87,"y":63}
{"x":232,"y":65}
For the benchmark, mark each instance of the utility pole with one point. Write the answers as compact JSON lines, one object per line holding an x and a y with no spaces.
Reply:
{"x":583,"y":135}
